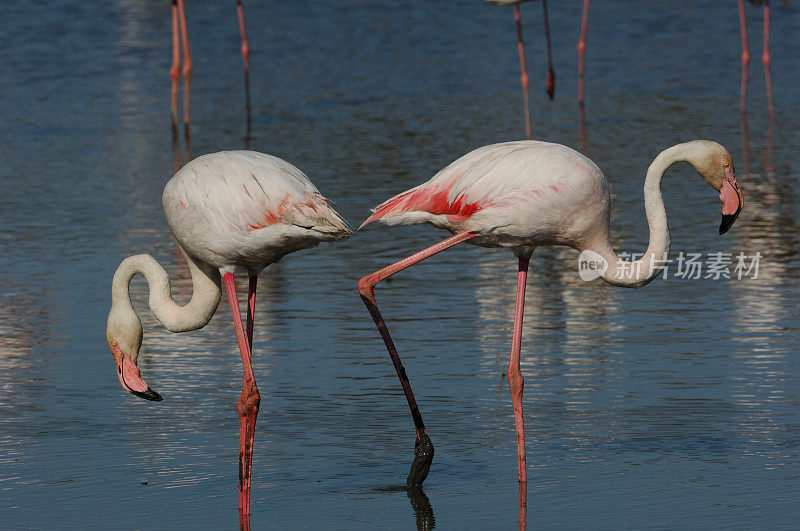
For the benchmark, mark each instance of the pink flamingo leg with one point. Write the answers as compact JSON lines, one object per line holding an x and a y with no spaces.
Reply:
{"x":766,"y":59}
{"x":423,"y":449}
{"x":248,"y":402}
{"x":187,"y":66}
{"x":524,"y":75}
{"x":175,"y":71}
{"x":515,"y":380}
{"x":745,"y":57}
{"x":246,"y":62}
{"x":582,"y":50}
{"x":551,"y":73}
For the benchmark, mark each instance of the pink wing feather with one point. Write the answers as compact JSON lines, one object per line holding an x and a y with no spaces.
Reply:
{"x":432,"y":198}
{"x":492,"y":183}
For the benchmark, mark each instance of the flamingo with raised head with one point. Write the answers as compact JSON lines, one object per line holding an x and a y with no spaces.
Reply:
{"x":524,"y":194}
{"x":226,"y":210}
{"x":524,"y":80}
{"x":180,"y":39}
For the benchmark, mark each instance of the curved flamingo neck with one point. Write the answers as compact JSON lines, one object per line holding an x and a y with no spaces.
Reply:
{"x":195,"y":314}
{"x":640,"y":272}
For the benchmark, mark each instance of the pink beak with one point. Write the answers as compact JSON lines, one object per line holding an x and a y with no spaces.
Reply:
{"x":731,"y":196}
{"x":130,"y":377}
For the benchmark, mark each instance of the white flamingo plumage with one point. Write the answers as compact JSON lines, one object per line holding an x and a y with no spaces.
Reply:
{"x":226,"y":210}
{"x":525,"y":194}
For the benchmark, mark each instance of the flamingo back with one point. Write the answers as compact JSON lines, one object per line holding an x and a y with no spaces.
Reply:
{"x":513,"y":193}
{"x":247,"y":208}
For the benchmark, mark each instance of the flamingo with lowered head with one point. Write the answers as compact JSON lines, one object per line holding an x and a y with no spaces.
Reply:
{"x":524,"y":194}
{"x":226,"y":210}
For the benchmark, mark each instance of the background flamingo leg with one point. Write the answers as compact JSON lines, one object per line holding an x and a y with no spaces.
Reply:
{"x":765,"y":58}
{"x":515,"y":380}
{"x":582,"y":50}
{"x":524,"y":73}
{"x":551,"y":73}
{"x":175,"y":70}
{"x":187,"y":66}
{"x":745,"y":57}
{"x":248,"y":402}
{"x":423,"y":448}
{"x":246,"y":63}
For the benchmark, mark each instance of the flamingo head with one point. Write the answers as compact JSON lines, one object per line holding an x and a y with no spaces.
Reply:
{"x":715,"y":166}
{"x":124,"y":336}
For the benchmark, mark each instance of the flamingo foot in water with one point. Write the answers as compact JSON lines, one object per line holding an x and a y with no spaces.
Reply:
{"x":423,"y":457}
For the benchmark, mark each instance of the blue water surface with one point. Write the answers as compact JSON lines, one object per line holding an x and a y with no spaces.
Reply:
{"x":677,"y":405}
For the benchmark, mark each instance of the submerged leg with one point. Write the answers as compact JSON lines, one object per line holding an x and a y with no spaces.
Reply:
{"x":423,"y":451}
{"x":175,"y":71}
{"x":246,"y":62}
{"x":551,"y":73}
{"x":745,"y":56}
{"x":582,"y":50}
{"x":515,"y":380}
{"x":187,"y":67}
{"x":524,"y":73}
{"x":248,"y":402}
{"x":765,"y":58}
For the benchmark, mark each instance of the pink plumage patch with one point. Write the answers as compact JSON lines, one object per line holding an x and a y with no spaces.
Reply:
{"x":292,"y":209}
{"x":270,"y":217}
{"x":432,"y":200}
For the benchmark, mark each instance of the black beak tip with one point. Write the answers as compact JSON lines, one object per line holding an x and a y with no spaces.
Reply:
{"x":149,"y":394}
{"x":727,"y":221}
